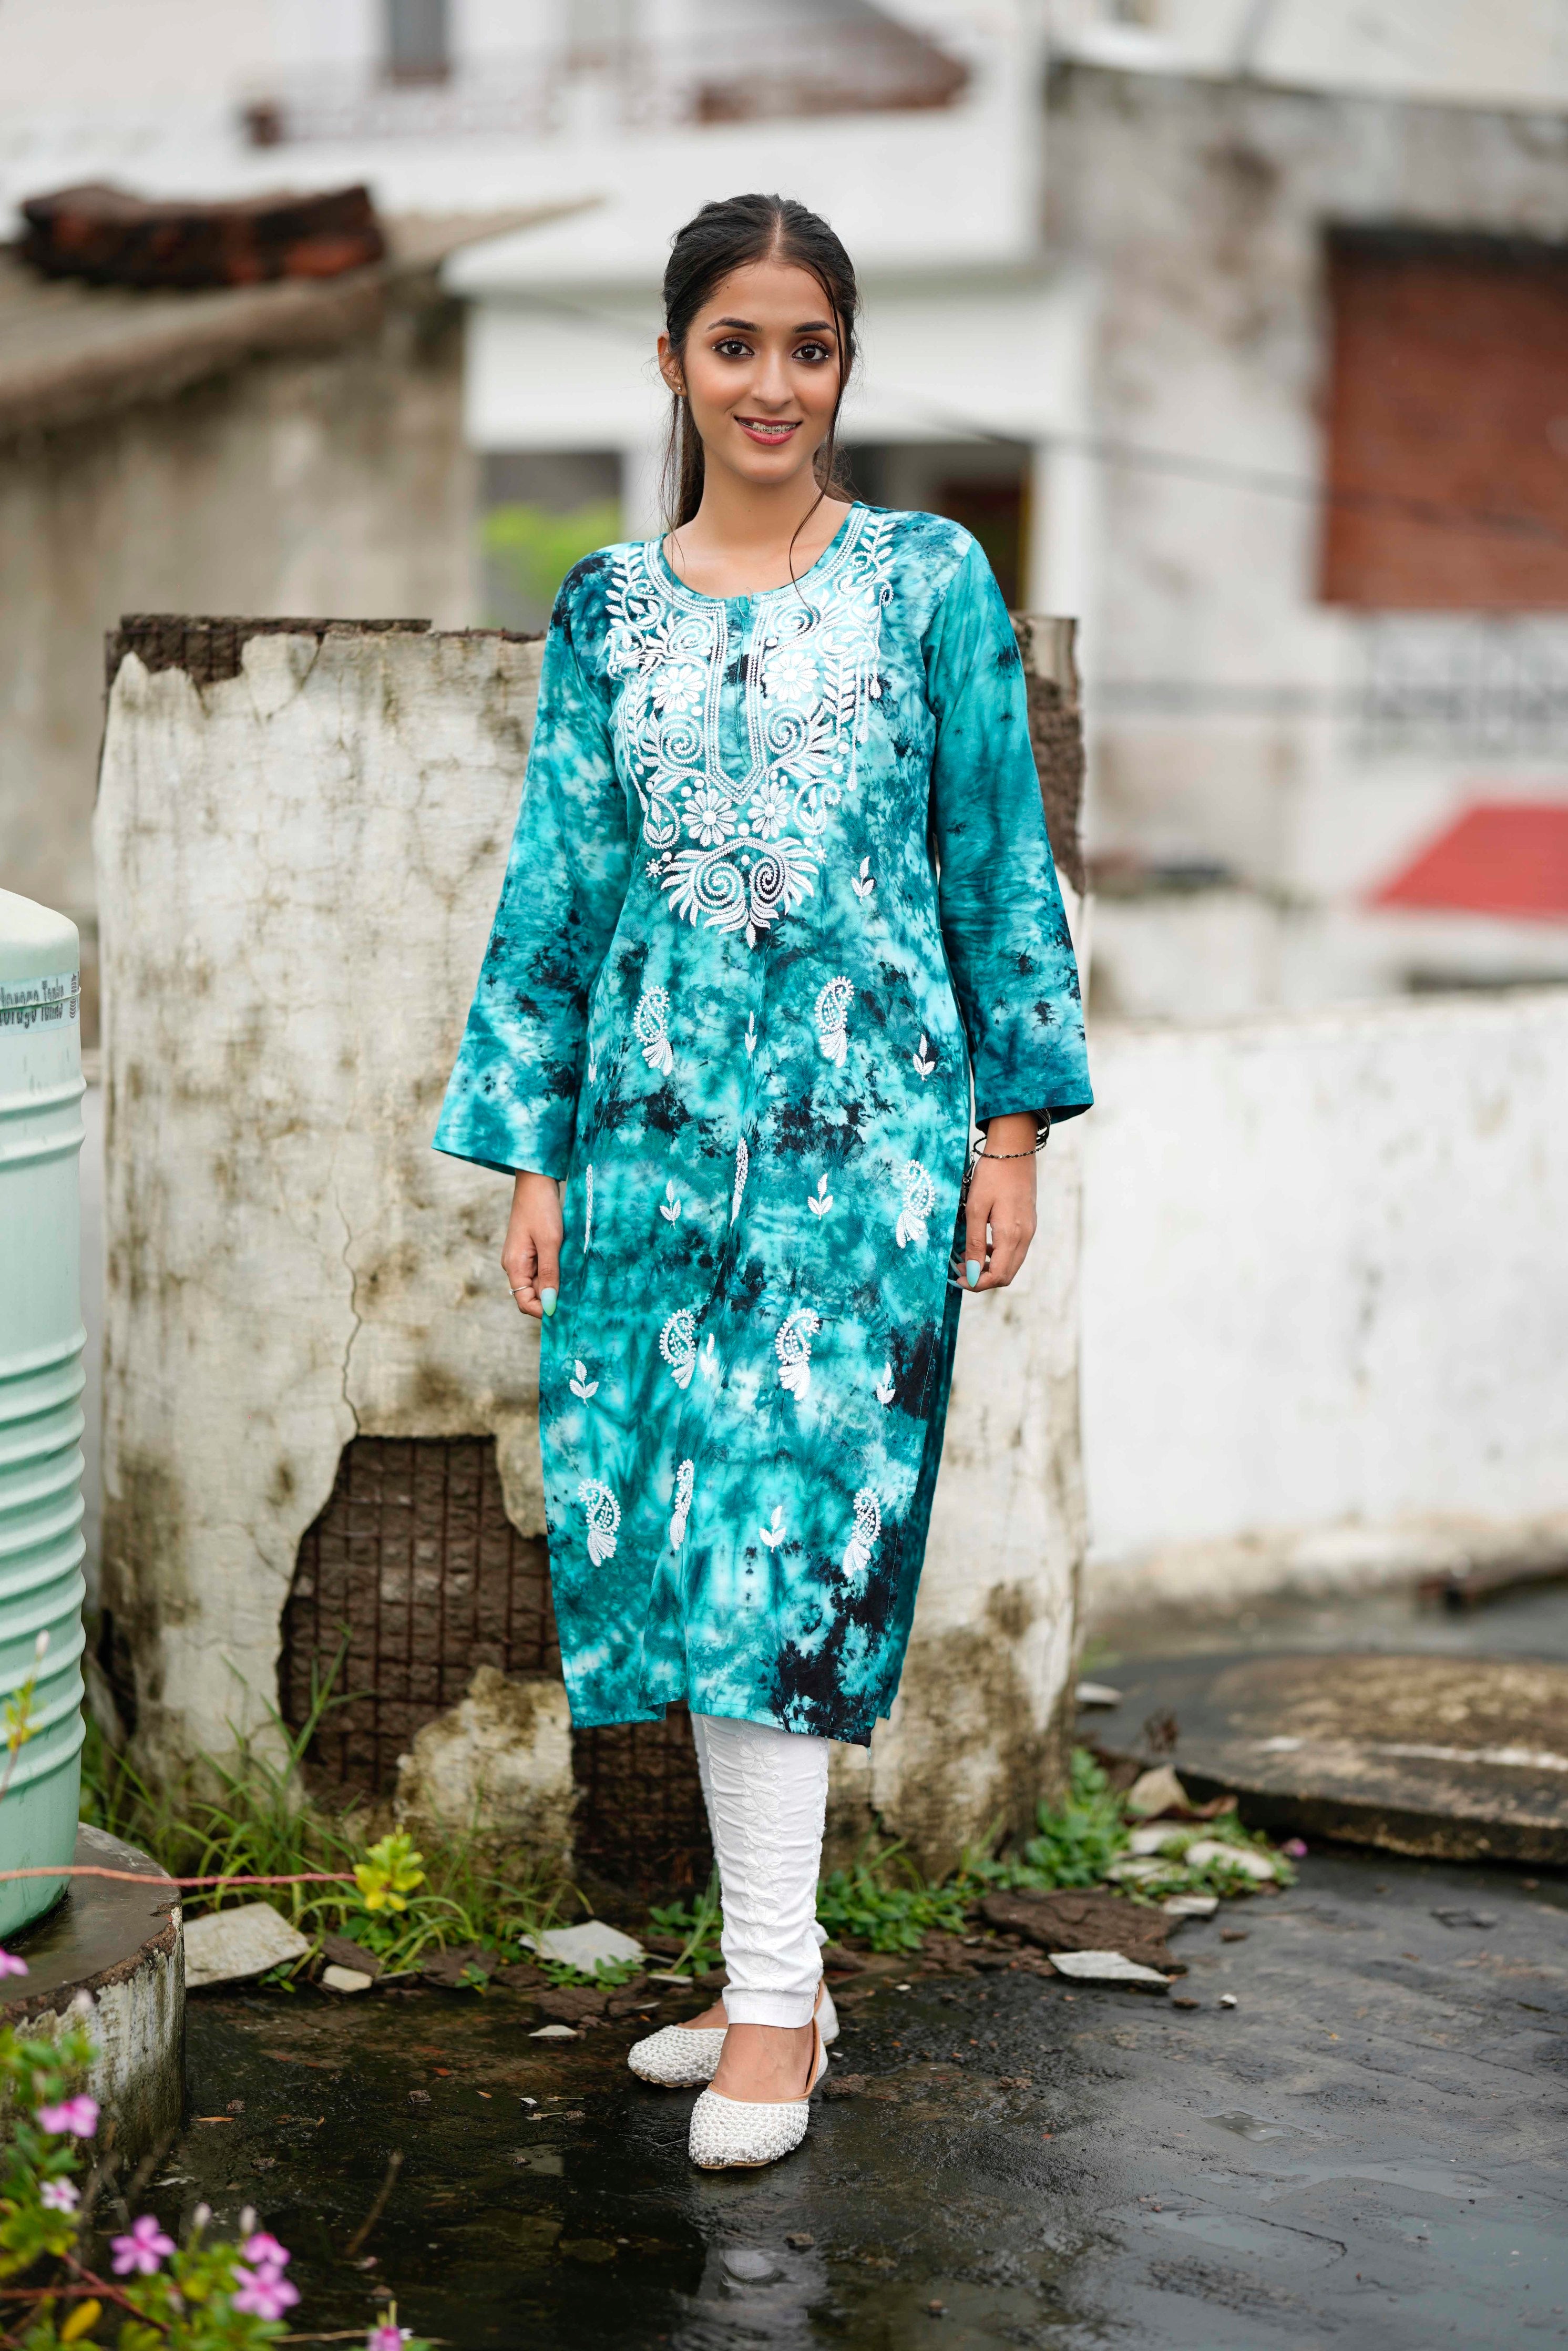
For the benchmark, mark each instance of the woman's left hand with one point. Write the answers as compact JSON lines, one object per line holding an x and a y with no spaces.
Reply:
{"x":1001,"y":1194}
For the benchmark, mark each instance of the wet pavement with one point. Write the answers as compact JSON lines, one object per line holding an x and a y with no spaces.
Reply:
{"x":1366,"y":2150}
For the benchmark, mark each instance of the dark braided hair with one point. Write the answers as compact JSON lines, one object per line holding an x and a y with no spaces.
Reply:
{"x":727,"y":236}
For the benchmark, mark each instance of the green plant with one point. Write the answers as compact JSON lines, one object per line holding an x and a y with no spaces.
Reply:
{"x":1076,"y":1842}
{"x":537,"y":548}
{"x":259,"y":1822}
{"x":699,"y":1924}
{"x":884,"y":1900}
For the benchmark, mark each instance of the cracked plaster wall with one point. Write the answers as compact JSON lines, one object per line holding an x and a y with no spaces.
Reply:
{"x":297,"y":868}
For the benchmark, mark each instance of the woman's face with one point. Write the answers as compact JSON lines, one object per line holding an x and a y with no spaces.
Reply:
{"x":761,"y":372}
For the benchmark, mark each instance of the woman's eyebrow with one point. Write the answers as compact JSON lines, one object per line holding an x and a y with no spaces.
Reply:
{"x":750,"y":326}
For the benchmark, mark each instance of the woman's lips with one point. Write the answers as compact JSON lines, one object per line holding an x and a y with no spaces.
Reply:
{"x":766,"y":434}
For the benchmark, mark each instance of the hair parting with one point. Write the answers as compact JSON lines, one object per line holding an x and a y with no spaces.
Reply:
{"x":729,"y":235}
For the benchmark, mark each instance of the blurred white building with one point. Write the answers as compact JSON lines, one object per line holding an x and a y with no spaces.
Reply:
{"x":1151,"y":291}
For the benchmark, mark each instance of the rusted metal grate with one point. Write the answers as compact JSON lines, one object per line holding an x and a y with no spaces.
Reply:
{"x":414,"y":1561}
{"x":641,"y":1824}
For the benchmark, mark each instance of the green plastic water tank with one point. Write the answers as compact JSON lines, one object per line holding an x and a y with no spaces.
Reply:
{"x":41,"y":1380}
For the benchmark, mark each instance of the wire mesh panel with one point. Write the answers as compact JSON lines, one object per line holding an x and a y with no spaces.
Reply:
{"x":412,"y":1576}
{"x":414,"y":1564}
{"x":640,"y":1818}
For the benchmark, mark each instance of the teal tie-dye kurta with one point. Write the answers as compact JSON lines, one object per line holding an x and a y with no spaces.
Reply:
{"x":728,"y":998}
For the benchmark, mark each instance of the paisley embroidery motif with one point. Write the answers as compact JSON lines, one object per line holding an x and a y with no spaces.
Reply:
{"x":678,"y":1345}
{"x":919,"y":1196}
{"x":868,"y":1527}
{"x":793,"y":1346}
{"x":603,"y":1512}
{"x":742,"y":1161}
{"x":652,"y":1011}
{"x":685,"y":1477}
{"x":739,"y":852}
{"x":833,"y":1019}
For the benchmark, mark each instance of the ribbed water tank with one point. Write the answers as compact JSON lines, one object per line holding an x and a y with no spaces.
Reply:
{"x":41,"y":1379}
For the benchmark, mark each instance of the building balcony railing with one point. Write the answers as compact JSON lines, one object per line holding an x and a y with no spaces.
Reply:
{"x":866,"y":67}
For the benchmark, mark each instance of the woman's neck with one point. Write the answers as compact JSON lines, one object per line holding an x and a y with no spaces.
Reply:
{"x":743,"y":541}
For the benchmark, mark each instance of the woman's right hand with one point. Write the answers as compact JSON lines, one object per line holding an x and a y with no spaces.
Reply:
{"x":531,"y":1251}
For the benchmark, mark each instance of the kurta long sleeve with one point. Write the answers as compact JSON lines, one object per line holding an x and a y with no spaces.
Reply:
{"x":512,"y":1099}
{"x":999,"y":900}
{"x":729,"y":999}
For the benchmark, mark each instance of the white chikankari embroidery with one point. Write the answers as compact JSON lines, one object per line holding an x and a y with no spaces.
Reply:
{"x":678,"y":1345}
{"x":685,"y":1477}
{"x":924,"y":1059}
{"x":603,"y":1512}
{"x":883,"y":1390}
{"x":740,"y":852}
{"x":579,"y":1383}
{"x":832,"y":1019}
{"x":822,"y":1200}
{"x":588,"y":1211}
{"x":670,"y":1206}
{"x":919,"y":1194}
{"x":742,"y":1161}
{"x":868,"y":1527}
{"x":750,"y":1034}
{"x":864,"y":881}
{"x":793,"y":1345}
{"x":774,"y":1533}
{"x":649,"y":1020}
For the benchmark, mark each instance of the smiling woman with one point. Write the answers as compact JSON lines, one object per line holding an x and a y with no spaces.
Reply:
{"x":780,"y":911}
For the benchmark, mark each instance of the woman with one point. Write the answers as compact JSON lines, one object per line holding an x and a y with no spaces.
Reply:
{"x":780,"y":882}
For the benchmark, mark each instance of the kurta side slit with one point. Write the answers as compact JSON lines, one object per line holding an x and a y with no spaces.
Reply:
{"x":780,"y":892}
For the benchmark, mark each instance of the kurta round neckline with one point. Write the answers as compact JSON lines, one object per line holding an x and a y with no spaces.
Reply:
{"x":828,"y":563}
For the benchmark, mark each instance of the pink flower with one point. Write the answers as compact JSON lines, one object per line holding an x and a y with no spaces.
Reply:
{"x":265,"y":2248}
{"x":143,"y":2250}
{"x":59,"y":2195}
{"x":387,"y":2339}
{"x":77,"y":2115}
{"x":10,"y":1965}
{"x":1295,"y":1848}
{"x":264,"y":2292}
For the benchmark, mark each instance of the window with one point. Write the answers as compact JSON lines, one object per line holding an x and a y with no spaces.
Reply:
{"x":417,"y":41}
{"x":1447,"y":423}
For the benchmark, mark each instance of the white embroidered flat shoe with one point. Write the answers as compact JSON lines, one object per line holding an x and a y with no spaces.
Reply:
{"x":737,"y":2135}
{"x":685,"y":2056}
{"x":678,"y":2056}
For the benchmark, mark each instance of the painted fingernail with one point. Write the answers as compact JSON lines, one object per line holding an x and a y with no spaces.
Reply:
{"x":546,"y":1300}
{"x":972,"y":1273}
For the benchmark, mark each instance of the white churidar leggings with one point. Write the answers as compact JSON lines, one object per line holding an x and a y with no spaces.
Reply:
{"x":767,"y":1797}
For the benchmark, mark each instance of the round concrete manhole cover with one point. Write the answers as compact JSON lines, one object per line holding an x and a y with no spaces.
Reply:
{"x":1462,"y":1757}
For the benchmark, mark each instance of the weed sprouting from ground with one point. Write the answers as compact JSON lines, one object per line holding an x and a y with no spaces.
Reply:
{"x":697,"y":1924}
{"x":1076,"y":1842}
{"x":256,"y":1819}
{"x":882,"y":1899}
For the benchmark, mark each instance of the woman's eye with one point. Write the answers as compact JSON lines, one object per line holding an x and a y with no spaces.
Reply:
{"x":813,"y":353}
{"x":732,"y":348}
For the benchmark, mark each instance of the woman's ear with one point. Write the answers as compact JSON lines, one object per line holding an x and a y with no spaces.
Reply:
{"x":669,"y":367}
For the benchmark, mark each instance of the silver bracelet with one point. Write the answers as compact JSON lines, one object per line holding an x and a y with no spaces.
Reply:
{"x":1041,"y":1137}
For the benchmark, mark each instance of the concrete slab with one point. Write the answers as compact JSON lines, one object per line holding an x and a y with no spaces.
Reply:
{"x":1461,"y":1758}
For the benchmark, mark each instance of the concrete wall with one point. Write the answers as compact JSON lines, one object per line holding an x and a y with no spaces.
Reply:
{"x":1325,"y":1288}
{"x":1228,"y":708}
{"x":299,"y":866}
{"x":322,"y":483}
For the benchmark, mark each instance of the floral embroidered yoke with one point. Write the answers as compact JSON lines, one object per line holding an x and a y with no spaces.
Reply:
{"x":780,"y":881}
